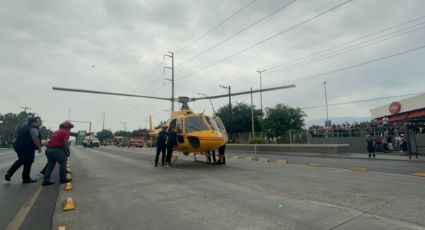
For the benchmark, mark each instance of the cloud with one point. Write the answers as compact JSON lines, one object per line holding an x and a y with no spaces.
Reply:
{"x":117,"y":45}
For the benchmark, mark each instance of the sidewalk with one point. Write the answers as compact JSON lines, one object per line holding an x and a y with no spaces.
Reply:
{"x":384,"y":156}
{"x":5,"y":150}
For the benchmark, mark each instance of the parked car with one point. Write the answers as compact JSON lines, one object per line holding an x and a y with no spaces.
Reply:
{"x":94,"y":143}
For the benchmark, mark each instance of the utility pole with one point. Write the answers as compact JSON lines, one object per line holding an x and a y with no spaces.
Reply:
{"x":25,"y":108}
{"x":171,"y":55}
{"x":261,"y":92}
{"x":125,"y":125}
{"x":326,"y":103}
{"x":103,"y":121}
{"x":229,"y":89}
{"x":252,"y":116}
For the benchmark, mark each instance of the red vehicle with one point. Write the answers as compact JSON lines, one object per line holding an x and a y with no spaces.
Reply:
{"x":137,"y":142}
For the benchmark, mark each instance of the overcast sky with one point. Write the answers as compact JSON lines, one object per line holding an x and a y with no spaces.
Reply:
{"x":119,"y":46}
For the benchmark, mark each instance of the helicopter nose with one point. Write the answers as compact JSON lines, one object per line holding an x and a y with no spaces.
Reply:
{"x":194,"y":141}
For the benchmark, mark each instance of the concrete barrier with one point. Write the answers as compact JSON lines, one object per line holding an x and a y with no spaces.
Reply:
{"x":291,"y":149}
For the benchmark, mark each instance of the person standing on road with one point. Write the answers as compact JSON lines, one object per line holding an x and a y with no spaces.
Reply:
{"x":67,"y":156}
{"x":57,"y":149}
{"x":370,"y":145}
{"x":171,"y":142}
{"x":221,"y":155}
{"x":27,"y":141}
{"x":161,"y":145}
{"x":211,"y":154}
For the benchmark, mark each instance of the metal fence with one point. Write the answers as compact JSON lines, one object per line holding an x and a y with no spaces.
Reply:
{"x":306,"y":136}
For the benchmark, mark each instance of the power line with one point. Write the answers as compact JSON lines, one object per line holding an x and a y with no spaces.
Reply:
{"x":14,"y":100}
{"x":358,"y":64}
{"x":267,"y":39}
{"x":215,"y":27}
{"x":145,"y":86}
{"x":362,"y":100}
{"x":346,"y":49}
{"x":237,"y":33}
{"x":304,"y":61}
{"x":369,"y":35}
{"x":313,"y":55}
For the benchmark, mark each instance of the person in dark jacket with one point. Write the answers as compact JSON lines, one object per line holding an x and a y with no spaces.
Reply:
{"x":370,"y":145}
{"x":171,"y":142}
{"x":221,"y":155}
{"x":211,"y":154}
{"x":27,"y":141}
{"x":161,"y":145}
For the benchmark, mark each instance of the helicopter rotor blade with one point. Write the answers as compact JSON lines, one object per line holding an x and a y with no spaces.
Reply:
{"x":244,"y":92}
{"x":108,"y":93}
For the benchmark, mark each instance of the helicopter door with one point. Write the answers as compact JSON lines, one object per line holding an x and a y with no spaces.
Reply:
{"x":221,"y":127}
{"x":179,"y":130}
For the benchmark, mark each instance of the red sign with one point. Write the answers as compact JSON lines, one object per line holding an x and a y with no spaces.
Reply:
{"x":394,"y":108}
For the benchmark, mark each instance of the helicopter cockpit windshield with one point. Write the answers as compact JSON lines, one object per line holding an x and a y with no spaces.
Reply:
{"x":213,"y":124}
{"x":195,"y":123}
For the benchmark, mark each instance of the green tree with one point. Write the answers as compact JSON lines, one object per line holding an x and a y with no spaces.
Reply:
{"x":280,"y":119}
{"x":104,"y":135}
{"x":123,"y":133}
{"x":140,"y":132}
{"x":240,"y":120}
{"x":9,"y":125}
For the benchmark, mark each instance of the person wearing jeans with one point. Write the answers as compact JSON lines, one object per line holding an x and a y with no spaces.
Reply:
{"x":27,"y":141}
{"x":56,"y":152}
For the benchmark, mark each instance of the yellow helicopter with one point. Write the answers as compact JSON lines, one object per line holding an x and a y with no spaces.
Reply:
{"x":196,"y":132}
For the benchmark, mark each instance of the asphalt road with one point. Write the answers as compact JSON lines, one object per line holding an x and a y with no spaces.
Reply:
{"x":120,"y":189}
{"x":15,"y":197}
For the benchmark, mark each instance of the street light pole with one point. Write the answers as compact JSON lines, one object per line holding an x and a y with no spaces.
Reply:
{"x":252,"y":116}
{"x":212,"y":105}
{"x":103,"y":121}
{"x":261,"y":92}
{"x":326,"y":103}
{"x":125,"y":125}
{"x":230,"y":102}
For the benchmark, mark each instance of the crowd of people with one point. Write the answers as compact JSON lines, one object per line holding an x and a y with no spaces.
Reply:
{"x":385,"y":144}
{"x":347,"y":129}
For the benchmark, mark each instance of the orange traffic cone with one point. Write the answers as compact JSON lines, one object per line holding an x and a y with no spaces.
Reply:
{"x":68,"y":186}
{"x":69,"y":205}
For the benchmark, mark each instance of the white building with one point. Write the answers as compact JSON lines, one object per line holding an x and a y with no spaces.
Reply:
{"x":408,"y":109}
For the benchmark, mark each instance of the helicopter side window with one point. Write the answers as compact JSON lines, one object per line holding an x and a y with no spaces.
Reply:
{"x":195,"y":123}
{"x":179,"y":126}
